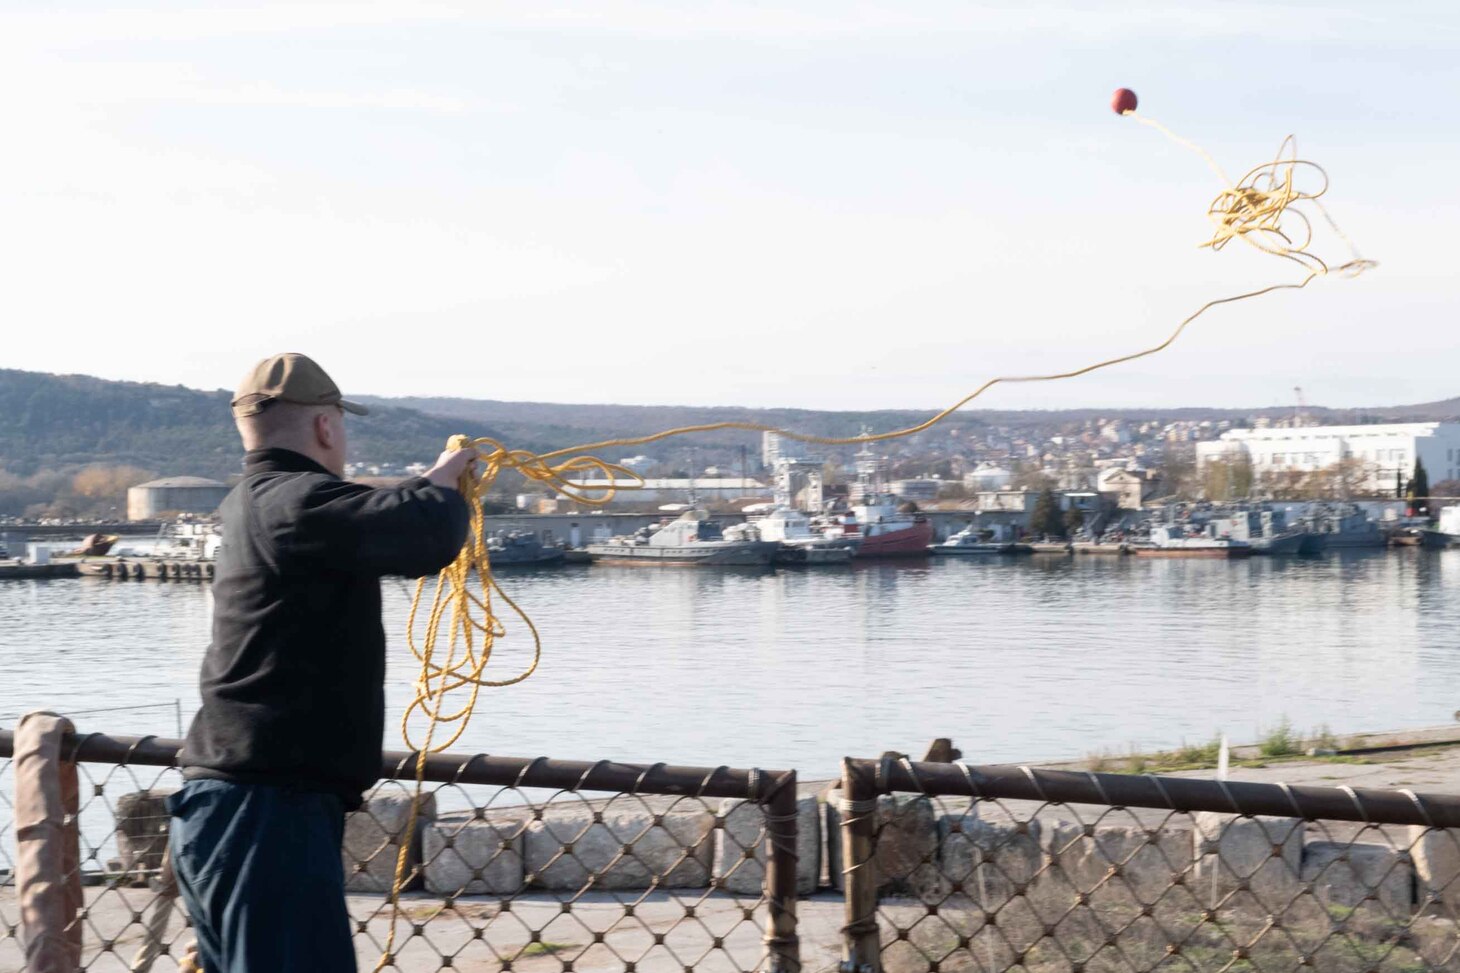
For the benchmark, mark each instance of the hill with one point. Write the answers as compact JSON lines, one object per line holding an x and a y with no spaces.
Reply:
{"x":63,"y":423}
{"x":560,"y":425}
{"x":60,"y":423}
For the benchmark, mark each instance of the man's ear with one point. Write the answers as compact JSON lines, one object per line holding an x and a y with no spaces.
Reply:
{"x":324,"y":430}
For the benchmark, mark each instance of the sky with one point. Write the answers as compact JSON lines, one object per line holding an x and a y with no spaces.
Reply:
{"x":822,"y":205}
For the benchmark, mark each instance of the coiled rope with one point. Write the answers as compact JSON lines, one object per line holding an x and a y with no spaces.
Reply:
{"x":1261,"y":209}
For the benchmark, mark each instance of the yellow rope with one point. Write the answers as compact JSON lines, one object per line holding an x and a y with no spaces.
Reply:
{"x":461,"y":606}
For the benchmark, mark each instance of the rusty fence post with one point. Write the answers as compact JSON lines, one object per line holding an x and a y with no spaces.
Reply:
{"x":861,"y":948}
{"x":47,"y":844}
{"x":783,"y":944}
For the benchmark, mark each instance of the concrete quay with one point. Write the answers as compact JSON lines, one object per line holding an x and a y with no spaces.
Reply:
{"x":12,"y":569}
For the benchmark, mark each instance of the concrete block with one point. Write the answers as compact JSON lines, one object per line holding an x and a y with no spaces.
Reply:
{"x":1259,"y":858}
{"x":1117,"y":859}
{"x":905,"y":849}
{"x":467,"y":853}
{"x":745,"y":828}
{"x":625,"y":845}
{"x":1436,"y":855}
{"x":142,"y":828}
{"x":986,"y":861}
{"x":1349,"y":875}
{"x":373,"y":836}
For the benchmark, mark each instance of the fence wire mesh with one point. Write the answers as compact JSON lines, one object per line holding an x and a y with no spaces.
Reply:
{"x":11,"y":957}
{"x":501,"y":876}
{"x":958,"y":882}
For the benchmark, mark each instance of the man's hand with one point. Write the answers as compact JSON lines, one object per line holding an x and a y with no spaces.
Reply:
{"x":449,"y":467}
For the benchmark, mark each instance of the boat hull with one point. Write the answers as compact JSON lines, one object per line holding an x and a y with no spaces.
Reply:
{"x":1284,"y":545}
{"x":970,"y":550}
{"x":910,"y":541}
{"x":738,"y":554}
{"x":549,"y":557}
{"x":807,"y":555}
{"x":1434,"y":540}
{"x":1312,"y":544}
{"x":1354,"y":542}
{"x":1212,"y":553}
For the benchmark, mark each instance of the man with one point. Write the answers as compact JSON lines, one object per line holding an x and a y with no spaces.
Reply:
{"x":289,"y":733}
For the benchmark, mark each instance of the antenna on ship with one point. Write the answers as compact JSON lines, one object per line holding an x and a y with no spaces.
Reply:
{"x":694,"y":498}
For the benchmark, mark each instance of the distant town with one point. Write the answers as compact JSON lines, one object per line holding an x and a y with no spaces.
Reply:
{"x":1097,"y":464}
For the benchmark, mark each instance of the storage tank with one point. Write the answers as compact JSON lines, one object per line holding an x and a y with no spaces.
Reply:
{"x":175,"y":494}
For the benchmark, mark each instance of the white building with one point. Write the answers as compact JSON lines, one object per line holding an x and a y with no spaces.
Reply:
{"x":664,"y":489}
{"x":772,"y":448}
{"x":988,"y":476}
{"x":1006,"y":501}
{"x":1387,"y":451}
{"x":917,"y":490}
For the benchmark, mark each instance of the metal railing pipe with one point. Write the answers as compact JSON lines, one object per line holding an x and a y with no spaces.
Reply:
{"x":1185,"y":794}
{"x":543,"y":772}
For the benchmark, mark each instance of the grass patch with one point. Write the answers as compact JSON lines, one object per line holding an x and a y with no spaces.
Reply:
{"x":1280,"y":741}
{"x":545,"y":948}
{"x":1200,"y":754}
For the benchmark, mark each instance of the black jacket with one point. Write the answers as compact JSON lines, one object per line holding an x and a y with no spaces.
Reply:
{"x":293,"y":684}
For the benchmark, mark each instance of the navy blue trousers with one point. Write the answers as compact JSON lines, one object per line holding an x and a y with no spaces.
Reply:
{"x":259,"y":870}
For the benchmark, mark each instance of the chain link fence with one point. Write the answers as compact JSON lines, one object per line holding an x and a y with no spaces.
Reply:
{"x":10,"y":954}
{"x":548,"y":865}
{"x":954,"y":868}
{"x":513,"y":864}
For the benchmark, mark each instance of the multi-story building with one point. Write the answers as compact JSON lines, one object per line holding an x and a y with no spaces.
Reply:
{"x":1385,"y":453}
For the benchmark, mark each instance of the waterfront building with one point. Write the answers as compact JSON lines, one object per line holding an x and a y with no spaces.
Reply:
{"x":1006,"y":501}
{"x":1386,"y":453}
{"x":918,"y":491}
{"x":1125,"y":489}
{"x":679,"y":489}
{"x":174,"y":495}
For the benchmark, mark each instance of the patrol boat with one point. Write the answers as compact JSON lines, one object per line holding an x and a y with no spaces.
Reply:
{"x":691,"y":539}
{"x":972,"y":540}
{"x":518,"y":548}
{"x":1345,"y":526}
{"x":1177,"y":540}
{"x":1268,"y":533}
{"x":799,"y":544}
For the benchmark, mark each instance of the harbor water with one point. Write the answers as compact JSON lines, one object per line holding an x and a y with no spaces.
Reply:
{"x":1017,"y":659}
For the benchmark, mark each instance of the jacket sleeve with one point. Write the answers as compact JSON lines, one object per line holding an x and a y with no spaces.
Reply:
{"x":413,"y":529}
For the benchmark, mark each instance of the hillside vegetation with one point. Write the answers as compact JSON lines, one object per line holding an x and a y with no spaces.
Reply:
{"x":83,"y":440}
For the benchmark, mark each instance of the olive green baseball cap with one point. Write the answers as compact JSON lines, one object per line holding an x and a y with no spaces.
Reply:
{"x":290,"y":377}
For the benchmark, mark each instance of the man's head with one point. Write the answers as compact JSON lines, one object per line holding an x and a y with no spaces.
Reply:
{"x":287,"y":401}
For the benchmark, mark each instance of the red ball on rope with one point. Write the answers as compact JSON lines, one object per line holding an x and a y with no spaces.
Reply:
{"x":1122,"y":101}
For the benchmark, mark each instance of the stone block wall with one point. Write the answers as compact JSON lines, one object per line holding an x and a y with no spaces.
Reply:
{"x":932,"y":850}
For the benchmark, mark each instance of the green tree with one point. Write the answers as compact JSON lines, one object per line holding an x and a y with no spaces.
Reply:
{"x":1242,"y":476}
{"x":1419,"y":487}
{"x":1074,"y":519}
{"x":1045,"y":518}
{"x":1178,"y":469}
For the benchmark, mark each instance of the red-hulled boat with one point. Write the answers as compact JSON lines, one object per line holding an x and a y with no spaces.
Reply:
{"x":877,"y":523}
